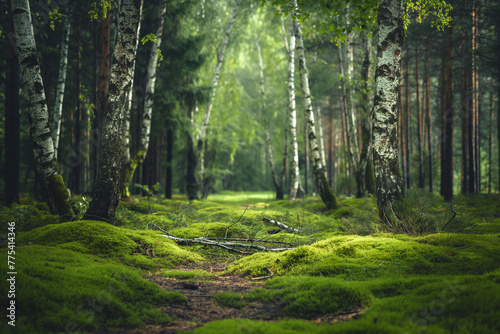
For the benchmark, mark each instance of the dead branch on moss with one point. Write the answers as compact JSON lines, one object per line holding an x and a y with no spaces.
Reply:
{"x":170,"y":234}
{"x":253,"y":241}
{"x":264,"y":277}
{"x":473,"y":225}
{"x":225,"y":245}
{"x":280,"y":225}
{"x":449,"y":221}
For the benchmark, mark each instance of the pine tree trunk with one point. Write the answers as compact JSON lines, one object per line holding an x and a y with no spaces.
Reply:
{"x":295,"y":174}
{"x":320,"y":180}
{"x":47,"y":167}
{"x":407,"y":118}
{"x":492,"y":130}
{"x":215,"y":81}
{"x":129,"y":167}
{"x":107,"y":191}
{"x":61,"y":83}
{"x":428,"y":118}
{"x":12,"y":118}
{"x":420,"y":151}
{"x":448,"y":118}
{"x":388,"y":180}
{"x":169,"y":181}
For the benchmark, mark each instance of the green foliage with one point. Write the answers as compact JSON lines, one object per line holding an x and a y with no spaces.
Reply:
{"x":99,"y":9}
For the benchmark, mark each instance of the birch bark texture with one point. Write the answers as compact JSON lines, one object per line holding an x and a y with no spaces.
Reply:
{"x":388,"y":180}
{"x":61,"y":83}
{"x":319,"y":177}
{"x":131,"y":164}
{"x":107,"y":187}
{"x":295,"y":174}
{"x":47,"y":168}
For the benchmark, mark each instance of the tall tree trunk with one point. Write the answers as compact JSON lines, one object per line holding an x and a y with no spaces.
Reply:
{"x":473,"y":164}
{"x":492,"y":130}
{"x":420,"y":151}
{"x":475,"y":88}
{"x":270,"y":155}
{"x":295,"y":174}
{"x":428,"y":119}
{"x":320,"y":180}
{"x":76,"y":171}
{"x":407,"y":118}
{"x":448,"y":117}
{"x":47,"y":167}
{"x":129,"y":167}
{"x":388,"y":180}
{"x":170,"y":160}
{"x":107,"y":191}
{"x":12,"y":119}
{"x":215,"y":81}
{"x":61,"y":82}
{"x":321,"y":142}
{"x":191,"y":157}
{"x":401,"y":119}
{"x":366,"y":177}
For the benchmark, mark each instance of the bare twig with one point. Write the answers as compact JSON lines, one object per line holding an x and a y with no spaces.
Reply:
{"x":170,"y":234}
{"x":449,"y":221}
{"x":467,"y":228}
{"x":280,"y":225}
{"x":252,"y":240}
{"x":264,"y":277}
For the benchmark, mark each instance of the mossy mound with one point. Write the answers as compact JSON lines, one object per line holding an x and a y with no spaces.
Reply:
{"x":59,"y":290}
{"x":366,"y":257}
{"x":142,"y":249}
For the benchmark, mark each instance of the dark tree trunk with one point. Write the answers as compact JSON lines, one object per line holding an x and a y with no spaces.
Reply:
{"x":107,"y":191}
{"x":448,"y":117}
{"x":428,"y":119}
{"x":170,"y":160}
{"x":406,"y":132}
{"x":12,"y":119}
{"x":76,"y":172}
{"x":420,"y":151}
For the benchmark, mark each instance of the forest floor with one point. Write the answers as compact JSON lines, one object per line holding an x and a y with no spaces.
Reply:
{"x":343,"y":273}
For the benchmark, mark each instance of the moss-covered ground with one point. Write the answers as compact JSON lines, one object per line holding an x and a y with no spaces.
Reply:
{"x":88,"y":276}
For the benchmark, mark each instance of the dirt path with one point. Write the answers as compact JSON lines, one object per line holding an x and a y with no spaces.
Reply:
{"x":201,"y":308}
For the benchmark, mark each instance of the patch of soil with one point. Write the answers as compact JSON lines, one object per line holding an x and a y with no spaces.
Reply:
{"x":201,"y":308}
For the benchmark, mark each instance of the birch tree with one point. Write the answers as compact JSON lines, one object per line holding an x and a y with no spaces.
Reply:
{"x":107,"y":190}
{"x":129,"y":167}
{"x":47,"y":168}
{"x":215,"y":81}
{"x":319,"y":177}
{"x":388,"y":180}
{"x":61,"y":83}
{"x":295,"y":174}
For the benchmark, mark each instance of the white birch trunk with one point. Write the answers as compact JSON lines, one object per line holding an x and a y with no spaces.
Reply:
{"x":31,"y":82}
{"x":321,"y":142}
{"x":129,"y":168}
{"x":61,"y":83}
{"x":107,"y":190}
{"x":215,"y":79}
{"x":388,"y":180}
{"x":318,"y":169}
{"x":294,"y":174}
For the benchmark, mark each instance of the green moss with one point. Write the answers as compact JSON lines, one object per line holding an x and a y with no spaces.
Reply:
{"x":60,"y":196}
{"x":61,"y":290}
{"x":229,"y":299}
{"x":105,"y":240}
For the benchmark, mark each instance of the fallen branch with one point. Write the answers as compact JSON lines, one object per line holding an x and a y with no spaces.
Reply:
{"x":170,"y":234}
{"x":280,"y":225}
{"x":225,"y":245}
{"x":466,"y":228}
{"x":264,"y":277}
{"x":449,"y":221}
{"x":252,"y":240}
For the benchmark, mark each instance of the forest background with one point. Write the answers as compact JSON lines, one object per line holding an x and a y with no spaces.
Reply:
{"x":236,"y":156}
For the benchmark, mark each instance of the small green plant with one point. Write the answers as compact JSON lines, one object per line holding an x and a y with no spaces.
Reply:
{"x":417,"y":213}
{"x":80,"y":204}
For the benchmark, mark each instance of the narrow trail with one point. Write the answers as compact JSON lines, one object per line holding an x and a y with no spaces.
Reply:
{"x":201,"y":309}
